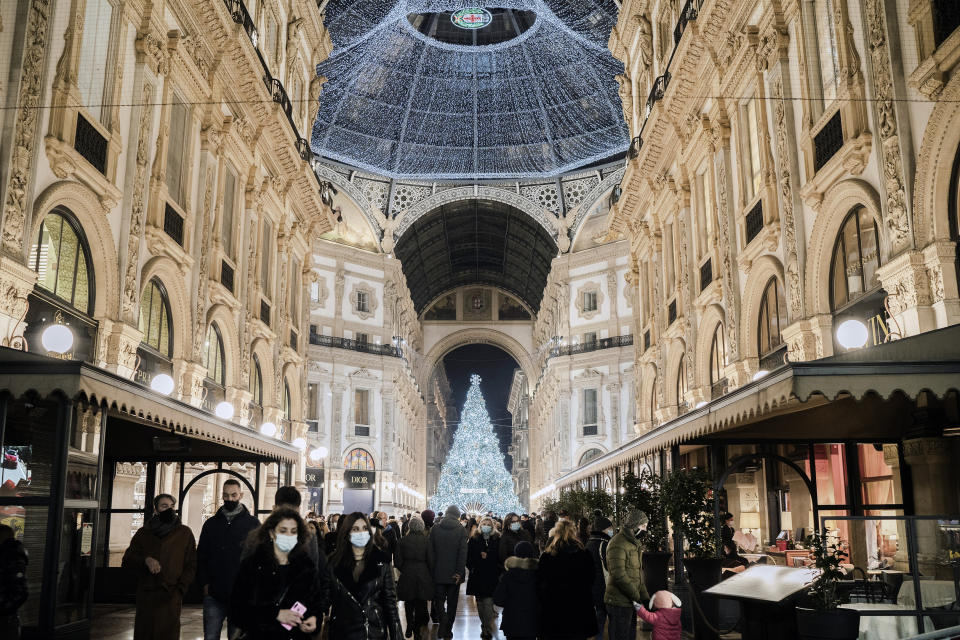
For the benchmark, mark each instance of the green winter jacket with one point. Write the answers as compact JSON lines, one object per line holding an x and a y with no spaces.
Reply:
{"x":624,"y":571}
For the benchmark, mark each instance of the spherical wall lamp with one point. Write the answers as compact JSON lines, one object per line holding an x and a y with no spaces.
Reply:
{"x":57,"y":338}
{"x":268,"y":429}
{"x":224,"y":410}
{"x":314,"y":455}
{"x":760,"y":374}
{"x":852,"y":334}
{"x":162,"y":383}
{"x":300,"y":443}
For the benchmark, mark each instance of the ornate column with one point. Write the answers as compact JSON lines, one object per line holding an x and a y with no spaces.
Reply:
{"x":17,"y":169}
{"x":730,"y":280}
{"x":932,"y":471}
{"x":907,"y":283}
{"x":615,"y":430}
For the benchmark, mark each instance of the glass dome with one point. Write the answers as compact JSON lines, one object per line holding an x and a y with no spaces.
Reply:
{"x":534,"y":96}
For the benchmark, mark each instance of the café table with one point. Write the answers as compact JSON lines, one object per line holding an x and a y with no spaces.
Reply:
{"x":935,"y":593}
{"x":886,"y":627}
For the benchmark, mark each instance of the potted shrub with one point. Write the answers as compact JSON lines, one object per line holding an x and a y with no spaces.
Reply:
{"x":825,"y":619}
{"x":688,"y":502}
{"x":646,"y":494}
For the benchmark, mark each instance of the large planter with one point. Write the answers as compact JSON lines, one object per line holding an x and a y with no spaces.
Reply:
{"x":834,"y":624}
{"x":703,"y":573}
{"x":656,"y":569}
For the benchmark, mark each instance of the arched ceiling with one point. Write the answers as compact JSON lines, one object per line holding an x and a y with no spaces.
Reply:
{"x":407,"y":104}
{"x":476,"y":242}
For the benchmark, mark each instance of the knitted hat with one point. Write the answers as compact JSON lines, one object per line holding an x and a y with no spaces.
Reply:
{"x":452,"y":512}
{"x":524,"y":549}
{"x":635,"y":518}
{"x":428,"y":517}
{"x":601,"y":523}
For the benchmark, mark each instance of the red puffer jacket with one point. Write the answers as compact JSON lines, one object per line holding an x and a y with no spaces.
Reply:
{"x":666,"y":622}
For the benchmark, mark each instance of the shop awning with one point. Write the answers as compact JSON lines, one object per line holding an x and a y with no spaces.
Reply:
{"x":928,"y":362}
{"x":22,"y":373}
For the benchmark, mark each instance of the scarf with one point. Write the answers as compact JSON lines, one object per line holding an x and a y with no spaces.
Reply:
{"x":162,"y":529}
{"x":230,"y":515}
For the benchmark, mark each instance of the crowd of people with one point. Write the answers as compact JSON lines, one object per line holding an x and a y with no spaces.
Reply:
{"x":345,"y":575}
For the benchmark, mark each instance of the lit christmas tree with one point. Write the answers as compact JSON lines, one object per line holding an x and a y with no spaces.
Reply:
{"x":474,"y":477}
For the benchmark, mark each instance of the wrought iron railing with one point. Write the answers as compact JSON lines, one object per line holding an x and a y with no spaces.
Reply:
{"x":90,"y":144}
{"x":226,"y":275}
{"x":173,"y":224}
{"x":706,"y":274}
{"x":238,"y":11}
{"x":318,"y":340}
{"x":658,"y":89}
{"x":595,"y":345}
{"x":753,"y":224}
{"x":690,"y":12}
{"x":946,"y":19}
{"x":774,"y":359}
{"x":718,"y":388}
{"x":828,"y":141}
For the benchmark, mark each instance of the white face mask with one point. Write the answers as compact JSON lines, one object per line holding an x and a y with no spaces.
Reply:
{"x":486,"y":529}
{"x":285,"y":542}
{"x":359,"y":538}
{"x":514,"y":526}
{"x":609,"y":532}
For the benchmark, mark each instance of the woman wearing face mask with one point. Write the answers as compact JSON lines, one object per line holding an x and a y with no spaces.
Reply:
{"x":415,"y":586}
{"x":330,"y":538}
{"x":513,"y":532}
{"x":274,"y":577}
{"x":363,"y":595}
{"x":483,"y":561}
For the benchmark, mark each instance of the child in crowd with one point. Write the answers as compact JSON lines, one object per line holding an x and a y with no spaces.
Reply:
{"x":666,"y":618}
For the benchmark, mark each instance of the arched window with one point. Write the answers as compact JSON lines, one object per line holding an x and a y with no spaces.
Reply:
{"x":213,"y":355}
{"x":589,"y":455}
{"x":718,"y":355}
{"x":287,"y":405}
{"x":62,"y":261}
{"x":155,"y":319}
{"x":853,"y":270}
{"x":771,"y":319}
{"x":358,"y":460}
{"x":256,"y":381}
{"x":682,"y":379}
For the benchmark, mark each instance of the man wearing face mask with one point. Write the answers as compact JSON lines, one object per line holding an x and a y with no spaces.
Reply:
{"x":601,"y":532}
{"x":625,"y":580}
{"x":218,"y":557}
{"x":513,"y":532}
{"x":164,"y":556}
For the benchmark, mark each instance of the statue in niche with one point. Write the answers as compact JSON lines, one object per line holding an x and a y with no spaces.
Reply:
{"x":645,"y":43}
{"x":626,"y":96}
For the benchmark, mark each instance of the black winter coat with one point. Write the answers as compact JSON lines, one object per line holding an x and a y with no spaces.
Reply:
{"x":263,"y":588}
{"x":517,"y":594}
{"x":416,"y":580}
{"x":219,"y":550}
{"x":597,"y":546}
{"x":509,"y":540}
{"x":365,"y":609}
{"x":565,"y":583}
{"x":13,"y":576}
{"x":484,"y":572}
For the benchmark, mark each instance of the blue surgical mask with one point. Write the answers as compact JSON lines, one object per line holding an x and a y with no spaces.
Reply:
{"x":486,"y":529}
{"x":359,"y":538}
{"x":285,"y":542}
{"x":514,"y":526}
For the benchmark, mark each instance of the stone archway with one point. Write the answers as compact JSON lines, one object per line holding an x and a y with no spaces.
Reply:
{"x":476,"y":336}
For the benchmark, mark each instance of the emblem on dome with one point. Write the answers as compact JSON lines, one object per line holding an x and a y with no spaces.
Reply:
{"x":471,"y":18}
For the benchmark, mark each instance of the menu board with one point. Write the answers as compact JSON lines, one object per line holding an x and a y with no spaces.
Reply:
{"x":766,"y":583}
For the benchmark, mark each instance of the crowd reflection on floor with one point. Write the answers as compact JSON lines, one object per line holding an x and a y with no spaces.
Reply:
{"x":115,"y":622}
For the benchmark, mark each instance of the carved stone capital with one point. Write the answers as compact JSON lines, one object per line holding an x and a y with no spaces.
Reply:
{"x":907,"y":284}
{"x":122,"y":341}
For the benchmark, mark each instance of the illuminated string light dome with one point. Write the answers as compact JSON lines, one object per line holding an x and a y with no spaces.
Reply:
{"x":416,"y":89}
